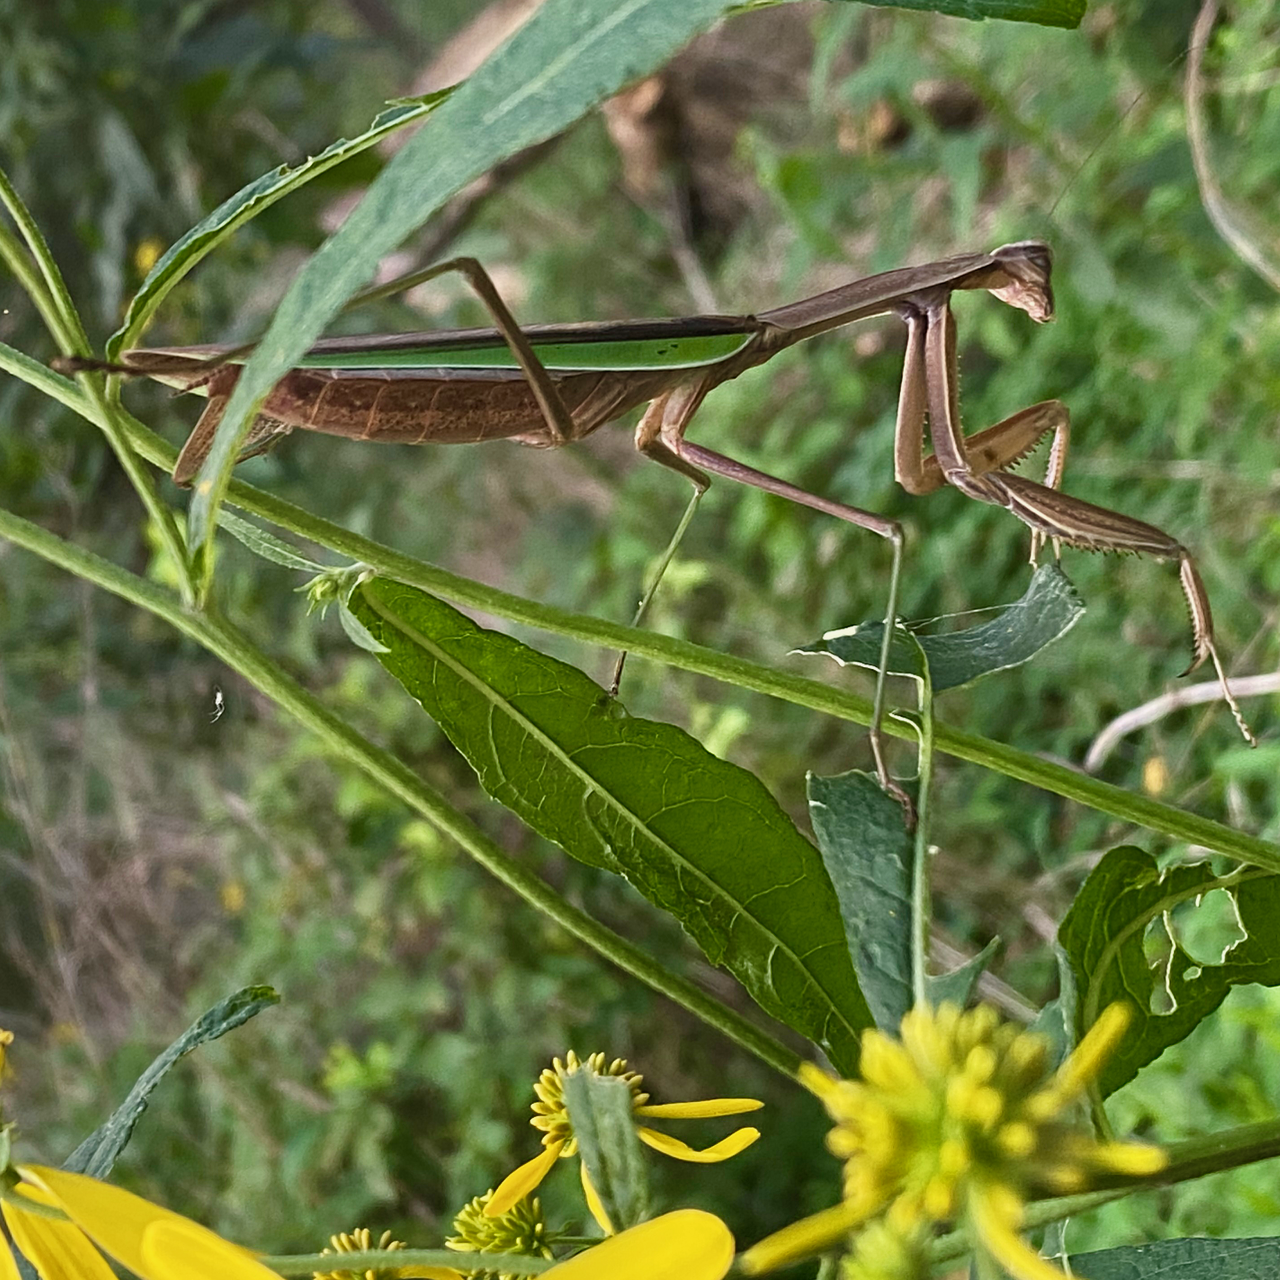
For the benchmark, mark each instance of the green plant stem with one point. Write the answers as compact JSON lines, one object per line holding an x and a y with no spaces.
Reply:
{"x":68,"y":327}
{"x":1194,"y":1158}
{"x":921,"y":903}
{"x":235,"y":649}
{"x":376,"y":1261}
{"x":1069,"y":783}
{"x":48,"y":292}
{"x":24,"y":271}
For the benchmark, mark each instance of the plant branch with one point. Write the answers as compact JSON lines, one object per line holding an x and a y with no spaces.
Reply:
{"x":49,"y":294}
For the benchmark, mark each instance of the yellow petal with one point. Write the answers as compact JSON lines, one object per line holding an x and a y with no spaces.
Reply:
{"x":176,"y":1248}
{"x":594,"y":1203}
{"x":699,"y":1110}
{"x":120,"y":1224}
{"x":738,"y":1140}
{"x":997,"y":1232}
{"x":8,"y":1268}
{"x":1132,"y":1158}
{"x":802,"y":1239}
{"x":57,"y":1250}
{"x":1086,"y":1060}
{"x":685,"y":1245}
{"x":820,"y":1083}
{"x":520,"y":1182}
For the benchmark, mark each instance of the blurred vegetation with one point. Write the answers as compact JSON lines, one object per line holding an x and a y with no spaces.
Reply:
{"x":154,"y":859}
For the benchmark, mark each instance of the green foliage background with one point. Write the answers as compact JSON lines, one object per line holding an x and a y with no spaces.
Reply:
{"x":156,"y":859}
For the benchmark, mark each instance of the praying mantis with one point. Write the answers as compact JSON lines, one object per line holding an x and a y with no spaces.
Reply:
{"x":547,"y":385}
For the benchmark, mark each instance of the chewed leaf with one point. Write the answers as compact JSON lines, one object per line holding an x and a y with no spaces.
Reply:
{"x":247,"y":203}
{"x":697,"y":836}
{"x":868,"y":855}
{"x":1048,"y":610}
{"x":1104,"y":938}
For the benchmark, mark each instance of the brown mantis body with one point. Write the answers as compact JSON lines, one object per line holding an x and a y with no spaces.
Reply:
{"x":547,"y":385}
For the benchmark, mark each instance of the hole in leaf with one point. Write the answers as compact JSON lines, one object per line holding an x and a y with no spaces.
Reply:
{"x":1158,"y":949}
{"x":1208,"y":929}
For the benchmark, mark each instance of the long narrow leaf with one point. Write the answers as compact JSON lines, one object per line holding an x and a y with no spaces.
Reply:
{"x":98,"y":1152}
{"x":248,"y":202}
{"x":1048,"y":13}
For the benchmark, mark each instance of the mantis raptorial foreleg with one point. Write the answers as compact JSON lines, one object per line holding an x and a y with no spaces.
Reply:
{"x":1049,"y":513}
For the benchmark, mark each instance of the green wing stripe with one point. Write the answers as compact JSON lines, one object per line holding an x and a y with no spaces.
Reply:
{"x":613,"y":355}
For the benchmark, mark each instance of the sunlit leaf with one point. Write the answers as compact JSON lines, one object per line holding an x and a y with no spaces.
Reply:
{"x":698,"y":836}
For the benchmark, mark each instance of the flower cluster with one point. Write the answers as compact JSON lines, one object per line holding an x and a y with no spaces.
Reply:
{"x":361,"y":1241}
{"x":552,"y":1117}
{"x":961,"y":1120}
{"x":521,"y":1230}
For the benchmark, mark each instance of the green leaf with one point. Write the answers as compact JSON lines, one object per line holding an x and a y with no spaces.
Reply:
{"x":247,"y":203}
{"x":1048,"y":610}
{"x":697,"y":836}
{"x":97,"y":1154}
{"x":1104,"y":935}
{"x":1195,"y":1259}
{"x":957,"y":986}
{"x":356,"y":631}
{"x":267,"y":545}
{"x":868,"y":854}
{"x":568,"y":57}
{"x":1048,"y":13}
{"x":603,"y":1117}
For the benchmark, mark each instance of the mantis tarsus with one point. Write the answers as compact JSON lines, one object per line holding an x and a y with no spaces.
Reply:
{"x":546,"y":385}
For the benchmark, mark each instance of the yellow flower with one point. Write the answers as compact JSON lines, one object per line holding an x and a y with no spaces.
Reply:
{"x":551,"y":1116}
{"x":961,"y":1120}
{"x":64,"y":1222}
{"x":685,"y":1245}
{"x":521,"y":1230}
{"x":361,"y":1241}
